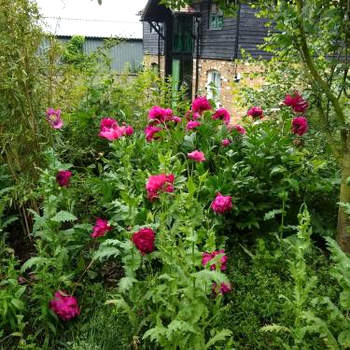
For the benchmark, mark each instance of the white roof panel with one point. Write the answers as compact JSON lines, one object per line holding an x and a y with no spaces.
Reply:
{"x":93,"y":28}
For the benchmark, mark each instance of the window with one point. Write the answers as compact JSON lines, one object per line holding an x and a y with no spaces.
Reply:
{"x":214,"y":86}
{"x":216,"y":17}
{"x":155,"y":24}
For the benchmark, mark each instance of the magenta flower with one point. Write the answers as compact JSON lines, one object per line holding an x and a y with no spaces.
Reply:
{"x":129,"y":130}
{"x":197,"y":156}
{"x":159,"y":183}
{"x":222,"y":114}
{"x":144,"y":240}
{"x":176,"y":119}
{"x":63,"y":177}
{"x":299,"y":126}
{"x":110,"y":130}
{"x":255,"y":112}
{"x":206,"y":257}
{"x":108,"y":123}
{"x":156,"y":113}
{"x":54,"y":118}
{"x":221,"y":204}
{"x":200,"y":104}
{"x":101,"y":228}
{"x":168,"y":113}
{"x":240,"y":129}
{"x":190,"y":115}
{"x":65,"y":306}
{"x":298,"y":104}
{"x":223,"y":289}
{"x":151,"y":131}
{"x":159,"y":115}
{"x":225,"y":142}
{"x":192,"y":124}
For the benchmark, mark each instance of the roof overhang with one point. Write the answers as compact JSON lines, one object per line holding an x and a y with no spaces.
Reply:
{"x":156,"y":12}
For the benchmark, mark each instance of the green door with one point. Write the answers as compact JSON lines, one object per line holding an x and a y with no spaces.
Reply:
{"x":175,"y":77}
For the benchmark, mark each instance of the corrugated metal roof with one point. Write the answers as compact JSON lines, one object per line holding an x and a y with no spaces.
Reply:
{"x":126,"y":53}
{"x":92,"y":28}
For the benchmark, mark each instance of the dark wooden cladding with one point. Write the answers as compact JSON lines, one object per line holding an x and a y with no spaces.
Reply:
{"x":150,"y":41}
{"x":220,"y":44}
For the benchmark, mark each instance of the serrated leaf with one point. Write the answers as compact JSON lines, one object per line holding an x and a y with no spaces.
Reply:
{"x":179,"y":326}
{"x":9,"y":220}
{"x":274,"y":328}
{"x":344,"y":299}
{"x":220,"y":336}
{"x":344,"y":339}
{"x":272,"y":213}
{"x":18,"y":304}
{"x":155,"y":333}
{"x":278,"y":169}
{"x":126,"y":283}
{"x":35,"y":261}
{"x":105,"y":253}
{"x":64,"y":216}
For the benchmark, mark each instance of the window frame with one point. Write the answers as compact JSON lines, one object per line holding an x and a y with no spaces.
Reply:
{"x":215,"y":13}
{"x":216,"y":98}
{"x":151,"y":29}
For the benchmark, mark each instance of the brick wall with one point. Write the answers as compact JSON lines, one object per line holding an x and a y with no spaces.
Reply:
{"x":149,"y":59}
{"x":229,"y":88}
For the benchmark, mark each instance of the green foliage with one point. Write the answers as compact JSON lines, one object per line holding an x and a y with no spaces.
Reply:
{"x":303,"y":284}
{"x":311,"y":311}
{"x":334,"y":329}
{"x":59,"y":249}
{"x":73,"y":53}
{"x":21,"y":94}
{"x":12,"y":306}
{"x":281,"y":283}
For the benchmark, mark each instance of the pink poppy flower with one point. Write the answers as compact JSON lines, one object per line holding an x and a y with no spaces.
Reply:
{"x":159,"y":183}
{"x":255,"y":112}
{"x":110,"y":130}
{"x":296,"y":101}
{"x":192,"y":124}
{"x":221,"y":204}
{"x":200,"y":104}
{"x":144,"y":240}
{"x":151,"y":131}
{"x":63,"y":177}
{"x":159,"y":115}
{"x":65,"y":306}
{"x":168,"y":114}
{"x":206,"y":257}
{"x":240,"y":129}
{"x":190,"y":115}
{"x":197,"y":156}
{"x":54,"y":118}
{"x":222,"y":114}
{"x":225,"y":142}
{"x":129,"y":130}
{"x":101,"y":228}
{"x":223,"y":289}
{"x":299,"y":126}
{"x":176,"y":119}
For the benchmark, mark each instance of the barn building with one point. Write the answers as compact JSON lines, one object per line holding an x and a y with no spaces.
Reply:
{"x":200,"y":47}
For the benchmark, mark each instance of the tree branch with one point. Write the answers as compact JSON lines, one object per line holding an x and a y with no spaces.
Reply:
{"x":312,"y":68}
